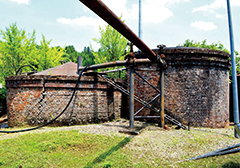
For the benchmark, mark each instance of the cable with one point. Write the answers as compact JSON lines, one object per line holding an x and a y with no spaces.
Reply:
{"x":70,"y":100}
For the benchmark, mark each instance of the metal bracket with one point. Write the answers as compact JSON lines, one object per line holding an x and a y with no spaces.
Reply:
{"x":161,"y":57}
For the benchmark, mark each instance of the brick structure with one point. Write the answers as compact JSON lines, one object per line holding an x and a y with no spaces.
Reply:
{"x":196,"y":85}
{"x":36,"y":99}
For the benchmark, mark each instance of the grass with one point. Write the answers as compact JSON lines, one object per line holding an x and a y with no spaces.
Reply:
{"x":152,"y":148}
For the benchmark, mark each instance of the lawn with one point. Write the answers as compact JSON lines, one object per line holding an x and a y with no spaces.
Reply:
{"x":154,"y":147}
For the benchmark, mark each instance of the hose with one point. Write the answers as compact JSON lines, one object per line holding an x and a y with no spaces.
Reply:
{"x":70,"y":100}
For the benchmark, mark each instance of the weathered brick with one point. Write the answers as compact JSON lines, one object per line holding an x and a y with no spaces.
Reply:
{"x":196,"y":91}
{"x":37,"y":104}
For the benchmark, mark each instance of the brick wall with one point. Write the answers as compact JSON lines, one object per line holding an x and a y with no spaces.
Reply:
{"x":196,"y":86}
{"x":35,"y":100}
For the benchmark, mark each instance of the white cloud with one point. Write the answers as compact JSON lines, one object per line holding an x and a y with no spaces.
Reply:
{"x":118,"y":7}
{"x":21,"y":1}
{"x":216,"y":5}
{"x":153,"y":11}
{"x":83,"y":21}
{"x":204,"y":25}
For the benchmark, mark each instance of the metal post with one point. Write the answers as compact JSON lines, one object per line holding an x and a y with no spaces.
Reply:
{"x":131,"y":97}
{"x":79,"y":63}
{"x":234,"y":76}
{"x":161,"y":124}
{"x":140,"y":20}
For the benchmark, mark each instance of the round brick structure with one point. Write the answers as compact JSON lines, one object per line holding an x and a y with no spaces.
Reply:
{"x":36,"y":99}
{"x":196,"y":85}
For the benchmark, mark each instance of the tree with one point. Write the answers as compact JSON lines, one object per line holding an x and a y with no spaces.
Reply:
{"x":71,"y":54}
{"x":113,"y":45}
{"x":47,"y":56}
{"x":17,"y":48}
{"x":214,"y":46}
{"x":203,"y":44}
{"x":113,"y":48}
{"x":87,"y":57}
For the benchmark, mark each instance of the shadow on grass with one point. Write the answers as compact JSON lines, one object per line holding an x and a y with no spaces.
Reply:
{"x":231,"y":165}
{"x":103,"y":156}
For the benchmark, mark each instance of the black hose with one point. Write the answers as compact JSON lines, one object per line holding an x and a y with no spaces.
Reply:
{"x":70,"y":100}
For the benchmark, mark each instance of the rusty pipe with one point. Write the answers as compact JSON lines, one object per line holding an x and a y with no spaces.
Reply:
{"x":114,"y":63}
{"x":98,"y":7}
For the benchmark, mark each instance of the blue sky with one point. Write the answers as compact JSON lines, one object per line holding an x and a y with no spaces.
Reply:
{"x":169,"y":22}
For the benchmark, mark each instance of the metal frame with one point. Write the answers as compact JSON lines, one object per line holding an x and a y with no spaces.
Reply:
{"x":133,"y":98}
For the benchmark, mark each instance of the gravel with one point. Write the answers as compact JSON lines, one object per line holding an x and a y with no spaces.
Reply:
{"x":154,"y":142}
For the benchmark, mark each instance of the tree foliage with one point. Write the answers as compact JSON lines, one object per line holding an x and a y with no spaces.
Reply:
{"x":87,"y":57}
{"x":47,"y":56}
{"x":113,"y":45}
{"x":71,"y":54}
{"x":18,"y":48}
{"x":112,"y":48}
{"x":214,"y":46}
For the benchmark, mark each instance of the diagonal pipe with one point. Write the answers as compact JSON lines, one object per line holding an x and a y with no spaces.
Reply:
{"x":98,"y":7}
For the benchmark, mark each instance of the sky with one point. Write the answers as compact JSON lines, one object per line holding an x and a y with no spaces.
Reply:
{"x":169,"y":22}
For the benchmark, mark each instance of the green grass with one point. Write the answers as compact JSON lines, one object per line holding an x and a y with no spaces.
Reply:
{"x":149,"y":149}
{"x":59,"y":149}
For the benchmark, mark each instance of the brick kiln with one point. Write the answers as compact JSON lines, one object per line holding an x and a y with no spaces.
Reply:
{"x":36,"y":99}
{"x":196,"y":85}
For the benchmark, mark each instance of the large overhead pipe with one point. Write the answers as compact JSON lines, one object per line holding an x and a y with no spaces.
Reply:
{"x":98,"y":7}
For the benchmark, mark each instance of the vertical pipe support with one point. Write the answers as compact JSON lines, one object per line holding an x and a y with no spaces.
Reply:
{"x":79,"y":63}
{"x":161,"y":124}
{"x":140,"y":20}
{"x":131,"y":97}
{"x":234,"y":76}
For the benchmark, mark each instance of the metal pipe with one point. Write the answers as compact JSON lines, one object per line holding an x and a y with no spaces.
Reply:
{"x":140,"y":20}
{"x":79,"y":63}
{"x":131,"y":97}
{"x":161,"y":124}
{"x":234,"y":76}
{"x":98,"y":7}
{"x":105,"y":65}
{"x":228,"y":148}
{"x":146,"y":117}
{"x":115,"y":70}
{"x":114,"y":63}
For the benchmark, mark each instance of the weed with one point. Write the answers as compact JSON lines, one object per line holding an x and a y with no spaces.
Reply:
{"x":80,"y":104}
{"x":211,"y":59}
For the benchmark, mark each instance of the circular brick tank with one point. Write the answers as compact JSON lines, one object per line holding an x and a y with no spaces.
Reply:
{"x":36,"y":99}
{"x":196,"y":85}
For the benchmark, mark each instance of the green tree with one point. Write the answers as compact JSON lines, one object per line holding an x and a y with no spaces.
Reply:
{"x":71,"y":54}
{"x":113,"y":45}
{"x":47,"y":56}
{"x":17,"y":49}
{"x":112,"y":48}
{"x":203,"y":44}
{"x":87,"y":57}
{"x":214,"y":46}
